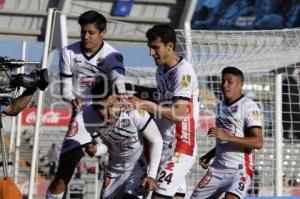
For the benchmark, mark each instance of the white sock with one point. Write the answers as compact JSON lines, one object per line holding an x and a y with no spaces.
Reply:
{"x":50,"y":195}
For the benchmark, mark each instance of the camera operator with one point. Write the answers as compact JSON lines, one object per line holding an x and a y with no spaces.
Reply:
{"x":15,"y":106}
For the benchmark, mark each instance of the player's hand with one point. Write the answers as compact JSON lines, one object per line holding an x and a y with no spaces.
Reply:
{"x":76,"y":103}
{"x":217,"y":133}
{"x":136,"y":102}
{"x":204,"y":161}
{"x":148,"y":183}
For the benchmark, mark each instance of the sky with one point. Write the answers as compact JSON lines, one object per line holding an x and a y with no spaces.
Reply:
{"x":133,"y":56}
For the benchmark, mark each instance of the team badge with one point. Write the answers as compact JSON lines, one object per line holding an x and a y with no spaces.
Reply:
{"x":255,"y":115}
{"x":100,"y":62}
{"x":73,"y":129}
{"x":185,"y":80}
{"x":142,"y":112}
{"x":125,"y":123}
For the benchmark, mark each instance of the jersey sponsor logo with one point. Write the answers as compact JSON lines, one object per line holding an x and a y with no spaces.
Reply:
{"x":73,"y":129}
{"x":185,"y":81}
{"x":75,"y":60}
{"x":205,"y":180}
{"x":90,"y":81}
{"x":123,"y":143}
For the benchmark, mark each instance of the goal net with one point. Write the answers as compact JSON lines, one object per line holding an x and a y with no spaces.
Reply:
{"x":269,"y":60}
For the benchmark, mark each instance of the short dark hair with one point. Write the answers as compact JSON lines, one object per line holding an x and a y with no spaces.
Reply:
{"x":164,"y":31}
{"x":234,"y":71}
{"x":102,"y":90}
{"x":91,"y":17}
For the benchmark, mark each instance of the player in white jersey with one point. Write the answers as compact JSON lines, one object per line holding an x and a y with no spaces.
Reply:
{"x":176,"y":111}
{"x":123,"y":132}
{"x":82,"y":65}
{"x":238,"y":134}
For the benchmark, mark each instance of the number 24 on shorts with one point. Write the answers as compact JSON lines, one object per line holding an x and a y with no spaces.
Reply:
{"x":163,"y":176}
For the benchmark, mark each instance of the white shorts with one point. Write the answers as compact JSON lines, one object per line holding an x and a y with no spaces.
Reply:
{"x":76,"y":136}
{"x":215,"y":182}
{"x":172,"y":173}
{"x":116,"y":184}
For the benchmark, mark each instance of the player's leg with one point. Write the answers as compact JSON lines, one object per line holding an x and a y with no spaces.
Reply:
{"x":231,"y":196}
{"x":171,"y":174}
{"x":208,"y":186}
{"x":239,"y":184}
{"x":71,"y":152}
{"x":133,"y":186}
{"x":66,"y":168}
{"x":113,"y":185}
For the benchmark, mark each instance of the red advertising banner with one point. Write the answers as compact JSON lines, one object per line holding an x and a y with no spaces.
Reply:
{"x":51,"y":117}
{"x":2,"y":2}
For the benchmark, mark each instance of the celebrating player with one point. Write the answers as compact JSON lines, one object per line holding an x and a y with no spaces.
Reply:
{"x":176,"y":111}
{"x":82,"y":65}
{"x":238,"y":134}
{"x":123,"y":132}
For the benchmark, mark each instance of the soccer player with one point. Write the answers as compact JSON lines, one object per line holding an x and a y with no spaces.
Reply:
{"x":123,"y":132}
{"x":176,"y":111}
{"x":82,"y":65}
{"x":238,"y":133}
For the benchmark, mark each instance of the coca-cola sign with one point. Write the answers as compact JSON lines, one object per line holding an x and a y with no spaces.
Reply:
{"x":51,"y":117}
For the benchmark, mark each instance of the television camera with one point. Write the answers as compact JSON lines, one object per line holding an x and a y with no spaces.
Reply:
{"x":10,"y":81}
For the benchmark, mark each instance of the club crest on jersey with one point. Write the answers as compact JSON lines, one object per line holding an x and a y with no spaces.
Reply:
{"x":73,"y":129}
{"x":125,"y":123}
{"x":100,"y":62}
{"x":234,"y":109}
{"x":185,"y":80}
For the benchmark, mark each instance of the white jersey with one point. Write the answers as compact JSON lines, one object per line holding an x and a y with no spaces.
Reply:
{"x":179,"y":82}
{"x":80,"y":72}
{"x":123,"y":139}
{"x":236,"y":119}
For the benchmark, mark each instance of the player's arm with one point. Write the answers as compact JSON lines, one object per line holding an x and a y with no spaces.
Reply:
{"x":153,"y":136}
{"x":66,"y":82}
{"x":143,"y":92}
{"x":253,"y":140}
{"x":176,"y":112}
{"x":114,"y":63}
{"x":182,"y":93}
{"x":19,"y":103}
{"x":204,"y":160}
